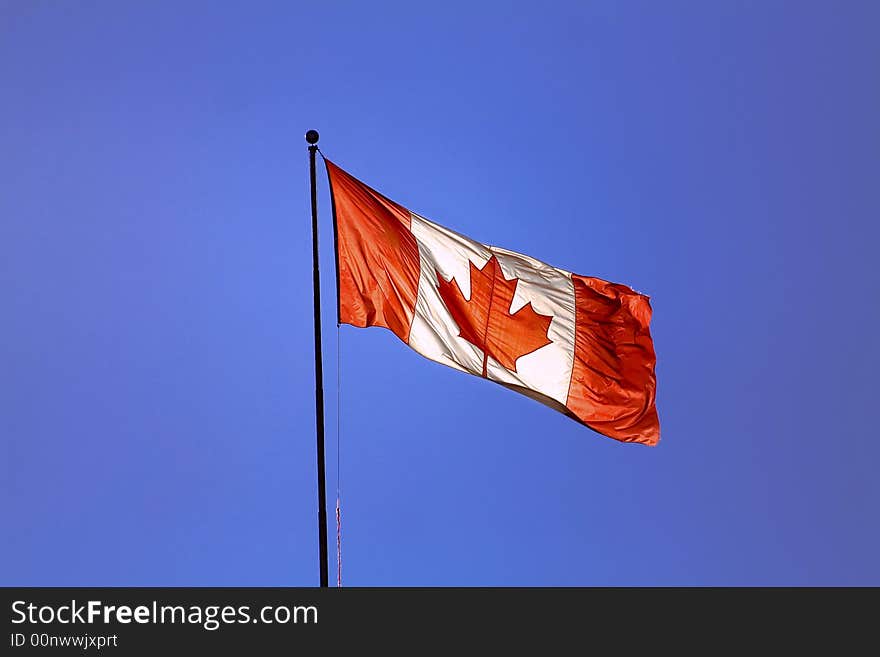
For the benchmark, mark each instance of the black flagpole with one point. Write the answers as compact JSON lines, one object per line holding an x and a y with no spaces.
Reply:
{"x":312,"y":139}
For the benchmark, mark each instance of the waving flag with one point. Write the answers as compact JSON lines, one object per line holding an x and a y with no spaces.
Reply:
{"x":578,"y":344}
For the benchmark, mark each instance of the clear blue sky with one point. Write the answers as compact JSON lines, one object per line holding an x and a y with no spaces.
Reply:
{"x":156,"y":371}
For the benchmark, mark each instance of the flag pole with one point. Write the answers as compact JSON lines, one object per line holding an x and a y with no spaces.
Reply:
{"x":312,"y":139}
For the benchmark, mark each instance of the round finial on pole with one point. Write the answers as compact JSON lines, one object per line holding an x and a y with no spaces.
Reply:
{"x":312,"y":136}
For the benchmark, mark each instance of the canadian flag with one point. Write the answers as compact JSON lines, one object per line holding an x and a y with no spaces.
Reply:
{"x":578,"y":344}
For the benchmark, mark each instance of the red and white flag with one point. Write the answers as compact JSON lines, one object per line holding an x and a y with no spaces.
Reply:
{"x":581,"y":345}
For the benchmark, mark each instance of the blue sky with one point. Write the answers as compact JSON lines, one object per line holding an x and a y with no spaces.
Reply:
{"x":156,"y":397}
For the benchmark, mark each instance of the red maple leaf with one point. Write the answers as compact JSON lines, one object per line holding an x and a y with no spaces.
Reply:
{"x":485,"y":320}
